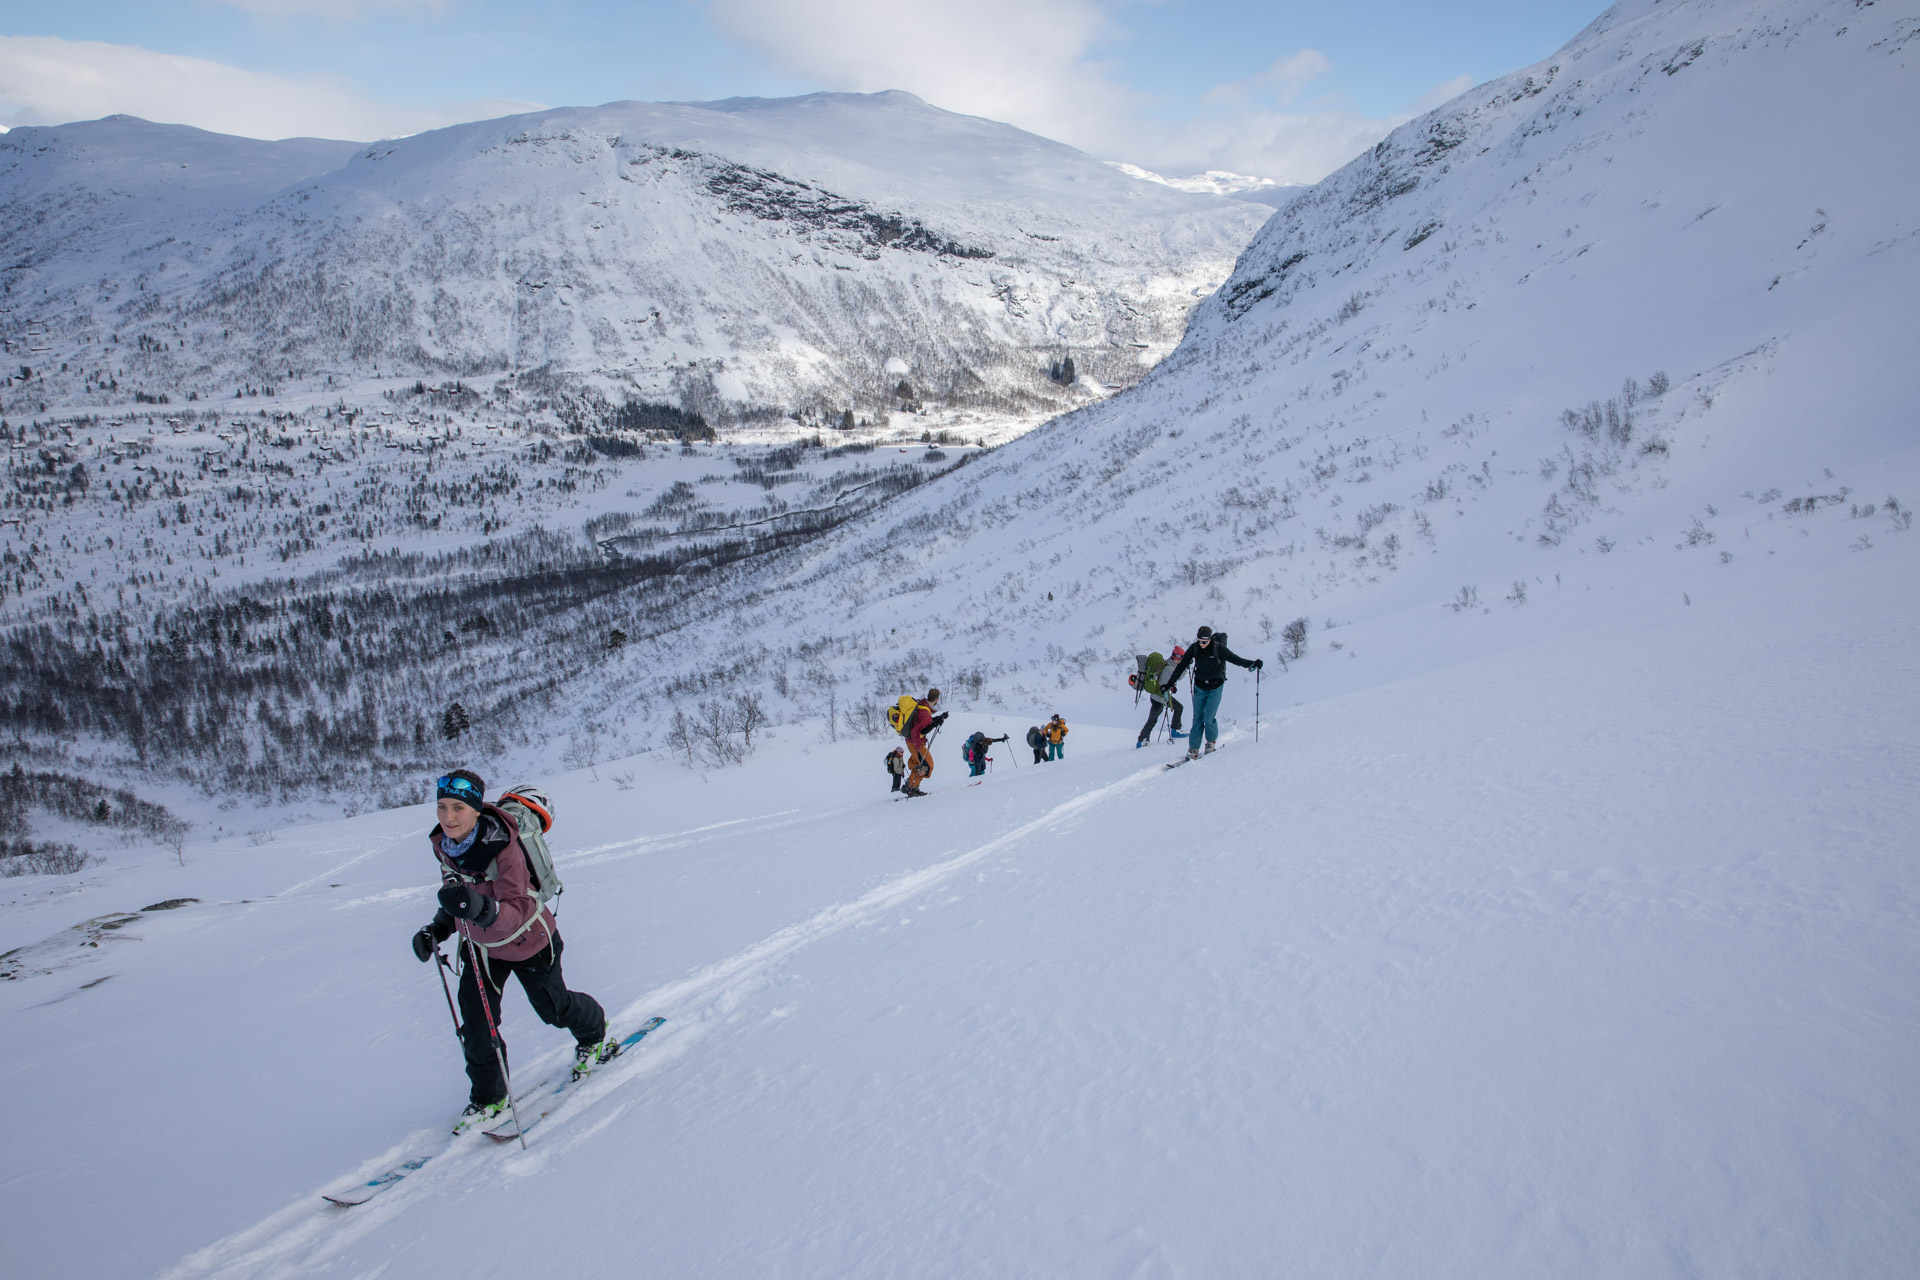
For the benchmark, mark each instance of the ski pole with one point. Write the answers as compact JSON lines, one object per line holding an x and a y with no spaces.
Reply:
{"x":443,"y":966}
{"x":499,"y":1050}
{"x":1256,"y":704}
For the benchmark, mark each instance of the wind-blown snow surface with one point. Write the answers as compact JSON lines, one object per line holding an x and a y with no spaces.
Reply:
{"x":1592,"y":959}
{"x":751,"y":253}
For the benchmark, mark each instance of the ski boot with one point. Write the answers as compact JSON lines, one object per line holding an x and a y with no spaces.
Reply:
{"x":1193,"y":755}
{"x":1209,"y":750}
{"x":588,"y":1056}
{"x":479,"y":1113}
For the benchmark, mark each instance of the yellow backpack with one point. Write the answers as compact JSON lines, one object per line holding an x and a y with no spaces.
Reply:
{"x":900,"y":714}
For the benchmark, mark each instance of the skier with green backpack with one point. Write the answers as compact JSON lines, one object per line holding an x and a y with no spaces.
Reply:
{"x":497,"y":881}
{"x":1146,"y":678}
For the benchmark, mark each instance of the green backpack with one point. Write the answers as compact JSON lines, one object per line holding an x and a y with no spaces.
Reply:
{"x":1147,"y":677}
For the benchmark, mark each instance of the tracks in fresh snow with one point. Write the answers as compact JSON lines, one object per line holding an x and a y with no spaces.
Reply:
{"x":310,"y":1233}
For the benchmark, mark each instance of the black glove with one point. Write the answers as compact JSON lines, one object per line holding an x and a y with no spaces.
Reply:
{"x":1259,"y":663}
{"x":469,"y":904}
{"x":429,"y":938}
{"x":938,"y":720}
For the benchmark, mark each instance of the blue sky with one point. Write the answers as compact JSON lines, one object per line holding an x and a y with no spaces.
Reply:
{"x":1282,"y":89}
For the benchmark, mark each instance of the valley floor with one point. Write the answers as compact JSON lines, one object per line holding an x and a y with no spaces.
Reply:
{"x":1590,"y":958}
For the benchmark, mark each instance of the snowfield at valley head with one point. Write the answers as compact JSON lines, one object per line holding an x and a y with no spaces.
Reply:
{"x":1556,"y":458}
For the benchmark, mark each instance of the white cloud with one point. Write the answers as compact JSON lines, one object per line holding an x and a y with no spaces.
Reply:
{"x":1280,"y":83}
{"x":1021,"y":61}
{"x":1031,"y":63}
{"x":1444,"y":92}
{"x":46,"y":80}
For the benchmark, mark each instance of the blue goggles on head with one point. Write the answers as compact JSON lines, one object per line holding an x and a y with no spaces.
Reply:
{"x":461,"y":789}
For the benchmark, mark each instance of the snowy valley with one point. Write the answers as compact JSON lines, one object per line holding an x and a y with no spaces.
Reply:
{"x":1556,"y":917}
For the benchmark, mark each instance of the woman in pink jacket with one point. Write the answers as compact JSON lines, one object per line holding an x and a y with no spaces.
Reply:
{"x":485,"y":897}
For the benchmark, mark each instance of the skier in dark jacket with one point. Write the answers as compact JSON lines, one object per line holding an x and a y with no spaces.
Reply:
{"x":897,"y":766}
{"x":1208,"y":655}
{"x":975,"y":752}
{"x":1038,"y":741}
{"x":486,"y":896}
{"x":1148,"y":681}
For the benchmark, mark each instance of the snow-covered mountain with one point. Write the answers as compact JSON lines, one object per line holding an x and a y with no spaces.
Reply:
{"x":747,"y":257}
{"x":1568,"y":328}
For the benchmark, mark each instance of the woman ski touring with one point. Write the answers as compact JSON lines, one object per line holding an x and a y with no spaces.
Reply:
{"x":486,"y":898}
{"x":1208,"y":656}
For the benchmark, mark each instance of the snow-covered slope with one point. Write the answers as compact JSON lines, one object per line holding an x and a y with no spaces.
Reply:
{"x":742,"y":256}
{"x":1569,"y":328}
{"x":1592,"y":959}
{"x":1559,"y":922}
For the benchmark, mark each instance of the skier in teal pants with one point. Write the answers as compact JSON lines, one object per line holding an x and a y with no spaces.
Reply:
{"x":1208,"y":655}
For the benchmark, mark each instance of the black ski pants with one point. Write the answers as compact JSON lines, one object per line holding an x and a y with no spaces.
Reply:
{"x":547,"y":992}
{"x":1153,"y":716}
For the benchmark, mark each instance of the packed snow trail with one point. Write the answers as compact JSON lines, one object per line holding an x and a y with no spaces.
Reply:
{"x":302,"y":1234}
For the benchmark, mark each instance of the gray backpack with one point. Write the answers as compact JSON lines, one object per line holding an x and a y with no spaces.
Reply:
{"x":532,"y":813}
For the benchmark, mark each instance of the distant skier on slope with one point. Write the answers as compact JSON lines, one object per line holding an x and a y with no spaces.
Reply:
{"x":485,"y":896}
{"x":1148,"y":681}
{"x":1038,"y":741}
{"x":975,"y":752}
{"x":922,"y":723}
{"x":1056,"y":737}
{"x":897,"y":766}
{"x":1208,"y":657}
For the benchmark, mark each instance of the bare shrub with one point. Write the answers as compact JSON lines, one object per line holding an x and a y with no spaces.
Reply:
{"x":173,"y":833}
{"x":715,"y":730}
{"x":47,"y":858}
{"x":1295,"y":637}
{"x":1469,"y":598}
{"x":750,"y":716}
{"x":584,"y":751}
{"x":681,"y":736}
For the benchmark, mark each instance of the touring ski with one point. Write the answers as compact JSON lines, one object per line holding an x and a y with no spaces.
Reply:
{"x":550,"y":1100}
{"x":367,"y":1190}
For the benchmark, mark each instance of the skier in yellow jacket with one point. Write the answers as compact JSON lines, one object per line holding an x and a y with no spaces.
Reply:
{"x":1056,"y":732}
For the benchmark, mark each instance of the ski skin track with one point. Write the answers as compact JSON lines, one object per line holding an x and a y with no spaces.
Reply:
{"x":304,"y":1234}
{"x":374,"y":1186}
{"x":505,"y":1133}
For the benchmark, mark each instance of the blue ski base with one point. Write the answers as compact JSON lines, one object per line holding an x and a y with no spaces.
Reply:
{"x":548,"y":1101}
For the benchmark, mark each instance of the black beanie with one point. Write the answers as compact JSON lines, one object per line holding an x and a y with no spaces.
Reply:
{"x":1203,"y":633}
{"x":467,"y":787}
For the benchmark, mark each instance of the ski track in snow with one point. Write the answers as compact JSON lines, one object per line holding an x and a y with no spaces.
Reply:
{"x":310,"y":1231}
